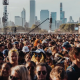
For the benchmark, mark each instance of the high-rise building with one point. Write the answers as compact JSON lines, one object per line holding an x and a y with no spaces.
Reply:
{"x":32,"y":12}
{"x":44,"y":14}
{"x":79,"y":20}
{"x":62,"y":14}
{"x":0,"y":20}
{"x":60,"y":11}
{"x":23,"y":16}
{"x":18,"y":21}
{"x":58,"y":23}
{"x":54,"y":17}
{"x":70,"y":19}
{"x":35,"y":18}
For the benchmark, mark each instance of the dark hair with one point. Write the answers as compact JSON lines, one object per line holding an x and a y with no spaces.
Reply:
{"x":31,"y":62}
{"x":1,"y":55}
{"x":48,"y":68}
{"x":7,"y":63}
{"x":21,"y":53}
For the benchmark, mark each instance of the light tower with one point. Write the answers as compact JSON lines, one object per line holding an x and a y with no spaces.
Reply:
{"x":5,"y":15}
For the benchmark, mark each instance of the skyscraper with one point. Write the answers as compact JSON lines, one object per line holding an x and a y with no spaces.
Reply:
{"x":70,"y":19}
{"x":0,"y":20}
{"x":62,"y":14}
{"x":18,"y":21}
{"x":32,"y":12}
{"x":79,"y":20}
{"x":54,"y":17}
{"x":60,"y":11}
{"x":35,"y":18}
{"x":23,"y":16}
{"x":44,"y":14}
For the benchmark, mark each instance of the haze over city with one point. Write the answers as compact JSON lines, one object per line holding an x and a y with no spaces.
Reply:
{"x":71,"y":8}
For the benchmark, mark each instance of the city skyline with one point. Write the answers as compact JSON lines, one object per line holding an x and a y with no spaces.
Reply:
{"x":70,"y":9}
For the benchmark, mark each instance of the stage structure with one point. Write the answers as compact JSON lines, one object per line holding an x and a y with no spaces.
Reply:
{"x":5,"y":16}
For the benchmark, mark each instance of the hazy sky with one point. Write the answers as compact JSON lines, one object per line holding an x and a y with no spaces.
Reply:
{"x":71,"y":8}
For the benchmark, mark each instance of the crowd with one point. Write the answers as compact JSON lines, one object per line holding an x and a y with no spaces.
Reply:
{"x":40,"y":57}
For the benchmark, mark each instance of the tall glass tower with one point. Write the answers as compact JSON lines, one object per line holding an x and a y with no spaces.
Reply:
{"x":23,"y":16}
{"x":54,"y":17}
{"x":32,"y":12}
{"x":62,"y":14}
{"x":44,"y":14}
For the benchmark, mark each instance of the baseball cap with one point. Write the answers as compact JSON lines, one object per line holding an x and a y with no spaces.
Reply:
{"x":16,"y":42}
{"x":5,"y":52}
{"x":66,"y":45}
{"x":39,"y":51}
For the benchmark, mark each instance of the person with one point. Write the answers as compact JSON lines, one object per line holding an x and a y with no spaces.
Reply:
{"x":19,"y":72}
{"x":42,"y":72}
{"x":21,"y":58}
{"x":73,"y":71}
{"x":66,"y":46}
{"x":27,"y":57}
{"x":38,"y":56}
{"x":58,"y":73}
{"x":9,"y":46}
{"x":5,"y":71}
{"x":16,"y":45}
{"x":1,"y":59}
{"x":30,"y":65}
{"x":25,"y":48}
{"x":13,"y":57}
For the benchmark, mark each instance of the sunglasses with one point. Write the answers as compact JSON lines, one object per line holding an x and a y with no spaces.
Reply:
{"x":32,"y":68}
{"x":43,"y":72}
{"x":37,"y":55}
{"x":14,"y":78}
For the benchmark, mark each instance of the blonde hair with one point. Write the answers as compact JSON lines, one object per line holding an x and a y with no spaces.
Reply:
{"x":22,"y":72}
{"x":13,"y":50}
{"x":42,"y":60}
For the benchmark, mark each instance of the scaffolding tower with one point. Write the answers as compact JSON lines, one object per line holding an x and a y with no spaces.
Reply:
{"x":5,"y":16}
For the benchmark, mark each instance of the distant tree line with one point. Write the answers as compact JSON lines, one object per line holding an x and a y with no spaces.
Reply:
{"x":69,"y":27}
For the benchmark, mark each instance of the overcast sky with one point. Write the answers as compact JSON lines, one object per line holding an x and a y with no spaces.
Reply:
{"x":71,"y":8}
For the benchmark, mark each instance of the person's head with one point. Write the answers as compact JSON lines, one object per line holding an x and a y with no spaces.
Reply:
{"x":39,"y":46}
{"x":41,"y":71}
{"x":52,"y":43}
{"x":28,"y":57}
{"x":54,"y":50}
{"x":75,"y":54}
{"x":21,"y":45}
{"x":13,"y":56}
{"x":38,"y":56}
{"x":16,"y":44}
{"x":5,"y":69}
{"x":21,"y":55}
{"x":30,"y":65}
{"x":66,"y":46}
{"x":58,"y":73}
{"x":19,"y":72}
{"x":1,"y":59}
{"x":5,"y":53}
{"x":9,"y":45}
{"x":25,"y":43}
